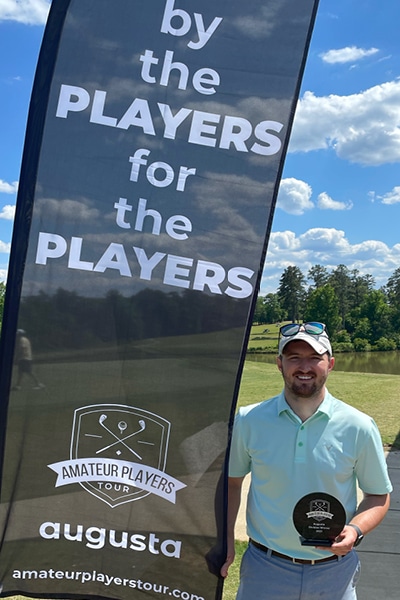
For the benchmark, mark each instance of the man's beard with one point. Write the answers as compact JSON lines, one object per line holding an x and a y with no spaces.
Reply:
{"x":305,"y":390}
{"x":308,"y":389}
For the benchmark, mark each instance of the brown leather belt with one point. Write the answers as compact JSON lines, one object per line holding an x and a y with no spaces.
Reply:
{"x":300,"y":561}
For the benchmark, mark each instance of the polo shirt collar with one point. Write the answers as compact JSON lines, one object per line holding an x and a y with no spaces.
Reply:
{"x":326,"y":406}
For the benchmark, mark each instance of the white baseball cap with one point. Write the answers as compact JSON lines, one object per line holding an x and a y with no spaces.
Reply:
{"x":320,"y":343}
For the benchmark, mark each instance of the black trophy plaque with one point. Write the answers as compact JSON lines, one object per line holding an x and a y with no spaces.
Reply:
{"x":319,"y":518}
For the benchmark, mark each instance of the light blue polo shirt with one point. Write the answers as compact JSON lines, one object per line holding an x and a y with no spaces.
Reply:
{"x":330,"y":452}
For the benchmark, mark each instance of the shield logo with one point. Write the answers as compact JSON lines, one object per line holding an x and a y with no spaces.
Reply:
{"x":121,"y":433}
{"x":320,"y":509}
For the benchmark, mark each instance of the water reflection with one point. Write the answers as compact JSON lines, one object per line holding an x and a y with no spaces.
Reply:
{"x":355,"y":362}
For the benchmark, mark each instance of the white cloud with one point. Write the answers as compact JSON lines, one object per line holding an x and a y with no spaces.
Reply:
{"x":362,"y":128}
{"x":29,"y":12}
{"x":8,"y":188}
{"x":7,"y":212}
{"x":294,"y":196}
{"x":392,"y":197}
{"x":257,"y":24}
{"x":282,"y":240}
{"x":345,"y":55}
{"x":4,"y":247}
{"x":328,"y":247}
{"x":69,"y":210}
{"x":321,"y":241}
{"x":325,"y":202}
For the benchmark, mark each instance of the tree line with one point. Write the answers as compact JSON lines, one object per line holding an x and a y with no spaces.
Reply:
{"x":358,"y":317}
{"x":66,"y":320}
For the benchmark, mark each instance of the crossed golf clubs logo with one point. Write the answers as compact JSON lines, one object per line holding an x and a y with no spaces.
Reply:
{"x":129,"y":446}
{"x":122,"y":426}
{"x":321,"y":506}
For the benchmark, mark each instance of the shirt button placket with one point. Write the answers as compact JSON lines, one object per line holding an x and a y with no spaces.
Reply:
{"x":301,"y":442}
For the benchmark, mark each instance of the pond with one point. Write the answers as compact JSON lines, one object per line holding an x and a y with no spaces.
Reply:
{"x":355,"y":362}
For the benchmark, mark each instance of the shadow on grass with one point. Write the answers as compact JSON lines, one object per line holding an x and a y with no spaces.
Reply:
{"x":396,"y":443}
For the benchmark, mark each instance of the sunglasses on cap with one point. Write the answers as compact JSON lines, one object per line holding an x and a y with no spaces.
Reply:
{"x":312,"y":328}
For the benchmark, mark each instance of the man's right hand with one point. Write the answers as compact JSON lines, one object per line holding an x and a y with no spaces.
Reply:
{"x":229,"y":560}
{"x":234,"y":494}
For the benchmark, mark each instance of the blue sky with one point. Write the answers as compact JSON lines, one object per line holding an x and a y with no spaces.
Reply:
{"x":339,"y":201}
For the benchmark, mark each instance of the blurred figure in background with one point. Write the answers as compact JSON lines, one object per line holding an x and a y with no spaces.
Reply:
{"x":24,"y":359}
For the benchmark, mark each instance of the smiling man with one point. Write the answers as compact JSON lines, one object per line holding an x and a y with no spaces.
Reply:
{"x":301,"y":442}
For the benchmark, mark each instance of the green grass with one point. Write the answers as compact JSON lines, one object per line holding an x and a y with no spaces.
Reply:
{"x":232,"y":581}
{"x":264,"y":338}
